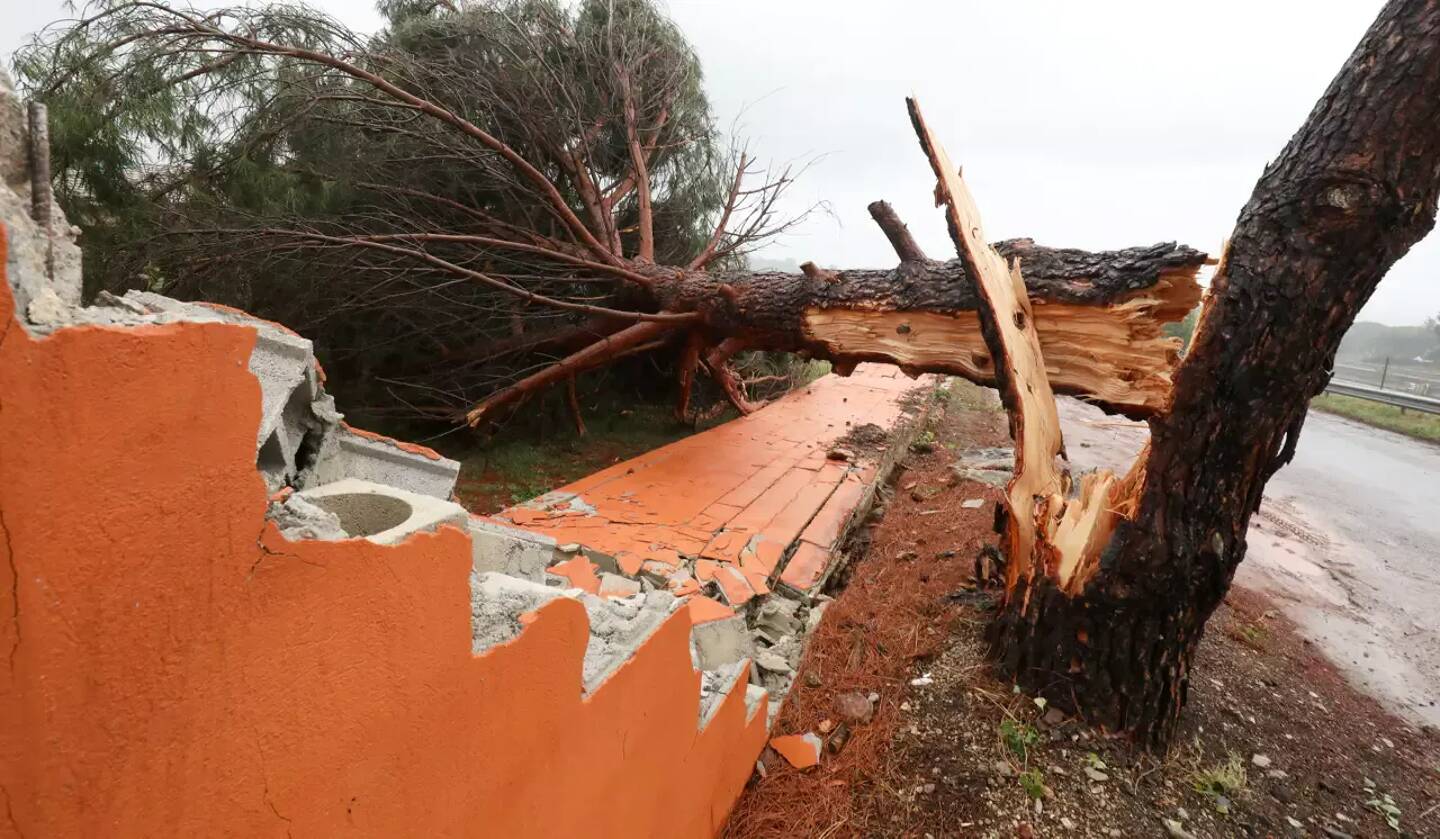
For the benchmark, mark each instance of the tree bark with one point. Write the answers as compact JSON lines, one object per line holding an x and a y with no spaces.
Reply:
{"x":1349,"y":195}
{"x":1098,"y":315}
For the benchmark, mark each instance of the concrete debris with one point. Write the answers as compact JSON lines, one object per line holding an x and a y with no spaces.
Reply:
{"x":772,"y":662}
{"x":618,"y":627}
{"x":496,"y":603}
{"x":801,"y":750}
{"x":614,"y":585}
{"x":299,"y":519}
{"x":382,"y":514}
{"x":510,"y":550}
{"x":972,"y":503}
{"x":993,"y":466}
{"x":755,"y":697}
{"x":776,"y":618}
{"x":715,"y":685}
{"x":722,"y":642}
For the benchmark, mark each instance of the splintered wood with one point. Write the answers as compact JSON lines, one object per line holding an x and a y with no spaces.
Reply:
{"x":1052,"y":529}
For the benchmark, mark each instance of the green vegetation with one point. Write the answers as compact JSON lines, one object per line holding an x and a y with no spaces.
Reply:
{"x":1222,"y":779}
{"x":1018,"y":737}
{"x":1033,"y":781}
{"x":1412,"y":423}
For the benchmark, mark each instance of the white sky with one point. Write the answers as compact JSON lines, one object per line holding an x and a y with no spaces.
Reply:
{"x":1094,"y":125}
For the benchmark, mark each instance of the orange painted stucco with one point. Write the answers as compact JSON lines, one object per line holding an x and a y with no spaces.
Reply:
{"x":173,"y":666}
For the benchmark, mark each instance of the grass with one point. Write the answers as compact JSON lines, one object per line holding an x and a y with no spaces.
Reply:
{"x":1223,"y":779}
{"x":1410,"y":423}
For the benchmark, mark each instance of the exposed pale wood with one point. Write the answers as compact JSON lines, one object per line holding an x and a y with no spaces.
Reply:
{"x":1048,"y":532}
{"x":1115,"y":354}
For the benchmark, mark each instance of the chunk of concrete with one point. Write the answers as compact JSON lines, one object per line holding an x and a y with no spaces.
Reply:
{"x":619,"y":627}
{"x":509,"y":550}
{"x":351,"y":453}
{"x":383,"y":514}
{"x":299,"y":519}
{"x":721,"y":642}
{"x":777,"y":618}
{"x":614,"y":585}
{"x":496,"y":603}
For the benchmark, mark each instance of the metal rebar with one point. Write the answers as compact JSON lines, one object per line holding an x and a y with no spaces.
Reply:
{"x":40,"y":181}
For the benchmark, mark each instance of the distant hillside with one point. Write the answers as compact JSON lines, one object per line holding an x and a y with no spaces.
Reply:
{"x":1373,"y":342}
{"x":760,"y":263}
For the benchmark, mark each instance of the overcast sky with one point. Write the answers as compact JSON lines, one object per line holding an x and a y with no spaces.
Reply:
{"x":1091,"y":125}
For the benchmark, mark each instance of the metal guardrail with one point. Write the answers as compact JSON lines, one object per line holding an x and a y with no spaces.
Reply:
{"x":1397,"y":398}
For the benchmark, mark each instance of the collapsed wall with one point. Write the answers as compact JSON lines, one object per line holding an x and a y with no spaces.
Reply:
{"x":228,"y":610}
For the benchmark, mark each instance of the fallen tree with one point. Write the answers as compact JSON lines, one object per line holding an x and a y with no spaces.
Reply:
{"x":575,"y":179}
{"x":1109,"y":584}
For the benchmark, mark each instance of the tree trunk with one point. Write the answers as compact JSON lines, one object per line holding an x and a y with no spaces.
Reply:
{"x":1354,"y":189}
{"x":1098,"y":314}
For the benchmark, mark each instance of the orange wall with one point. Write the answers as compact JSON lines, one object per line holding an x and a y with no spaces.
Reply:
{"x":171,"y":665}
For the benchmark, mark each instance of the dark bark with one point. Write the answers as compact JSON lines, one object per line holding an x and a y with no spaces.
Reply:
{"x":767,"y":308}
{"x":895,"y":230}
{"x":1352,"y":192}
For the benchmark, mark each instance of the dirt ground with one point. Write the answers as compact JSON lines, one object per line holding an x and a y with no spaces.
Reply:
{"x":1274,"y":741}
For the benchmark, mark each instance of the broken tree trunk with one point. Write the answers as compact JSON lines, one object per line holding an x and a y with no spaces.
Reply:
{"x":1112,"y":638}
{"x":1099,"y":316}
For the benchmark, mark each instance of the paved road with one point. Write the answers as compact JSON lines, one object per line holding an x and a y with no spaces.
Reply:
{"x":1347,"y":540}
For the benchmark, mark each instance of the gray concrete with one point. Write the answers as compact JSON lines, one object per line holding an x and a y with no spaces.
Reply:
{"x":346,"y":454}
{"x":37,"y":294}
{"x":496,"y":603}
{"x":1347,"y":540}
{"x":717,"y":643}
{"x":383,"y":514}
{"x":510,"y":550}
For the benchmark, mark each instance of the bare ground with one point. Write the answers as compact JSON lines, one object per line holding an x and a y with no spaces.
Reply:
{"x":1275,"y":741}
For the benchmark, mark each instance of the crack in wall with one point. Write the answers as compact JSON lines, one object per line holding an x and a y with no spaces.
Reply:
{"x":14,"y":592}
{"x":10,"y":813}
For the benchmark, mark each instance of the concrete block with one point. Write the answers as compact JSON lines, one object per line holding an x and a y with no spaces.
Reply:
{"x":383,"y":514}
{"x":509,"y":550}
{"x":351,"y":453}
{"x":720,"y":642}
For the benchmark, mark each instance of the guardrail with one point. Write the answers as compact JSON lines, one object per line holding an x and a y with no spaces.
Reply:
{"x":1397,"y":398}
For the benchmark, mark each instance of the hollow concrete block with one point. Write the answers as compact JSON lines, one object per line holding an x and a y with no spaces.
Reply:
{"x":349,"y":453}
{"x":383,"y":514}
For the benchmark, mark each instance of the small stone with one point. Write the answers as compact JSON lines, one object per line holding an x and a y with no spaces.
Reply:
{"x":1067,"y":823}
{"x":908,"y":556}
{"x":1278,"y":774}
{"x":1053,"y":717}
{"x":813,"y":680}
{"x":854,"y":707}
{"x":928,"y":788}
{"x":873,"y":697}
{"x":1262,"y":761}
{"x":904,"y":706}
{"x":1095,"y":774}
{"x":1003,"y":769}
{"x":825,"y":726}
{"x":1294,"y":822}
{"x":1177,"y":830}
{"x":972,"y":503}
{"x":922,"y":681}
